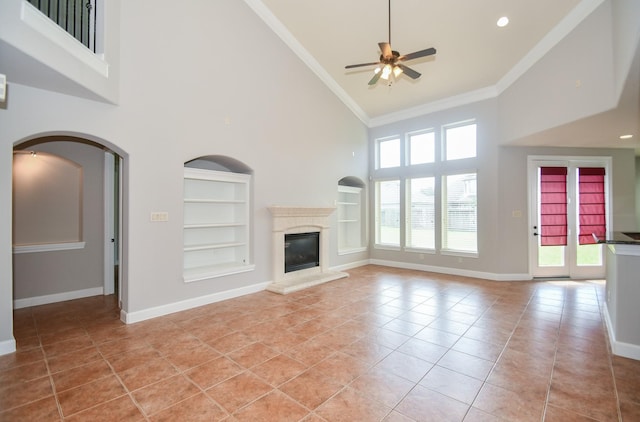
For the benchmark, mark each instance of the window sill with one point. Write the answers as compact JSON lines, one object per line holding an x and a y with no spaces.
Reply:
{"x":48,"y":247}
{"x":463,"y":254}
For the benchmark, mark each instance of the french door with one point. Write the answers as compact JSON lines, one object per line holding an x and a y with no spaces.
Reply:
{"x":568,"y":201}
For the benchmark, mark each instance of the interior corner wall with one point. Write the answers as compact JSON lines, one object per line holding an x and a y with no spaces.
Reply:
{"x":569,"y":83}
{"x":57,"y":272}
{"x":637,"y":163}
{"x":7,"y":342}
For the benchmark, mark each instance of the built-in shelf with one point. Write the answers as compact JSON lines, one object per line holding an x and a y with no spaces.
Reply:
{"x":216,"y":224}
{"x":351,"y":232}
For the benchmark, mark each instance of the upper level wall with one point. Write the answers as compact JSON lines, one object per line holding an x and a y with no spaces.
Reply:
{"x":573,"y":81}
{"x":35,"y":51}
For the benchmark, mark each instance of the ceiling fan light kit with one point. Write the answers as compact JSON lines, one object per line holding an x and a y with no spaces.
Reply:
{"x":389,"y":66}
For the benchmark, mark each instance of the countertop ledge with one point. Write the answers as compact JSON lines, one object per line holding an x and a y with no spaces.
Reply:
{"x":619,"y":238}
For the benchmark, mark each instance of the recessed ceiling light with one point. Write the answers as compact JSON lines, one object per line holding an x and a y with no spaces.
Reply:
{"x":502,"y":22}
{"x":626,"y":136}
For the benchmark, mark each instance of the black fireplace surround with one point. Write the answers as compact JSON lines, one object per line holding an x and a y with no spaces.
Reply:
{"x":301,"y":251}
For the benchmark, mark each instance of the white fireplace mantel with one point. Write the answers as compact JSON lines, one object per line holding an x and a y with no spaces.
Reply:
{"x":288,"y":220}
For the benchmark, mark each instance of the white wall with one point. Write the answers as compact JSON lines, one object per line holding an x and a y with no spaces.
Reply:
{"x":209,"y":79}
{"x":574,"y":80}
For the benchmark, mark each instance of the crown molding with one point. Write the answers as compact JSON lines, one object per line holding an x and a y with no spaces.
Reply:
{"x":281,"y":31}
{"x":561,"y":30}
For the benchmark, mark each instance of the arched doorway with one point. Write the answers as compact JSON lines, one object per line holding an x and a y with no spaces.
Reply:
{"x":50,"y":269}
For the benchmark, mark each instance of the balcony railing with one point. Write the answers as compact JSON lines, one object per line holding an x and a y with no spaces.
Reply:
{"x":77,"y":17}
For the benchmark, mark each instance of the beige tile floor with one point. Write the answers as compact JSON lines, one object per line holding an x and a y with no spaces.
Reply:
{"x":383,"y":344}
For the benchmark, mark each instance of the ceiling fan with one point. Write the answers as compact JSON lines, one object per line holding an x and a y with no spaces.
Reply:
{"x":390,"y":60}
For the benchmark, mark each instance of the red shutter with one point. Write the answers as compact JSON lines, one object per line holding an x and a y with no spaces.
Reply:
{"x":553,"y":206}
{"x":591,"y":204}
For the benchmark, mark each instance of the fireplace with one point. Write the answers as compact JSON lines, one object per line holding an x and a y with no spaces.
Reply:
{"x":301,"y":226}
{"x":301,"y":251}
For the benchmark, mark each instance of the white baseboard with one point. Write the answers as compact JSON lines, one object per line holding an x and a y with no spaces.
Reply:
{"x":619,"y":348}
{"x":57,"y":297}
{"x":7,"y":346}
{"x":170,"y":308}
{"x":451,"y":271}
{"x":350,"y":265}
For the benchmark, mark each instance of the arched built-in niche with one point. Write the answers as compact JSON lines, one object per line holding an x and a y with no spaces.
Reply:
{"x":217,"y":218}
{"x":352,"y":216}
{"x":47,"y":202}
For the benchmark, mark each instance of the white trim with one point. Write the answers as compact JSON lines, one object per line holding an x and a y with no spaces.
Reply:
{"x":37,"y":21}
{"x":559,"y":32}
{"x":460,"y":254}
{"x":435,"y":106}
{"x":352,"y":250}
{"x":625,"y":249}
{"x":217,"y":271}
{"x":7,"y":346}
{"x":452,"y":271}
{"x":109,"y":192}
{"x":183,"y":305}
{"x":48,"y":247}
{"x":281,"y":31}
{"x":627,"y":350}
{"x":350,"y":265}
{"x":56,"y":297}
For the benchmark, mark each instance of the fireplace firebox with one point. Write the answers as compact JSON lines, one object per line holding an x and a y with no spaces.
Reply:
{"x":301,"y":251}
{"x":313,"y":270}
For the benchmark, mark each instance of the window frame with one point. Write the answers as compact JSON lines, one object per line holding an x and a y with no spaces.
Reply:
{"x":378,"y":154}
{"x":438,"y":169}
{"x":409,"y":214}
{"x":377,"y":243}
{"x":444,"y":247}
{"x":409,"y":148}
{"x":445,"y":128}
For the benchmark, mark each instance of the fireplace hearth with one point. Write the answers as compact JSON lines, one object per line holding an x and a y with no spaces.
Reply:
{"x":300,"y":223}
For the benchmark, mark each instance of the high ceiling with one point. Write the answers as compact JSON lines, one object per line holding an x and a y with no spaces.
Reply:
{"x":474,"y":56}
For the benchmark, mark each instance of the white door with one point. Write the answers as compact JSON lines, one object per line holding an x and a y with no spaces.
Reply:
{"x":112,"y":213}
{"x":558,"y":213}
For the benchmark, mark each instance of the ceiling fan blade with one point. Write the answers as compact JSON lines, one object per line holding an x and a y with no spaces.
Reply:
{"x":408,"y":71}
{"x":375,"y":78}
{"x":385,"y":49}
{"x":417,"y":54}
{"x":351,"y":66}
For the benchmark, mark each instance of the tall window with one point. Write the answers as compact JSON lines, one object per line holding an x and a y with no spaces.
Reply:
{"x":421,"y":148}
{"x":421,"y":219}
{"x":422,"y":201}
{"x":460,"y":210}
{"x":460,"y":142}
{"x":389,"y":153}
{"x":388,"y":212}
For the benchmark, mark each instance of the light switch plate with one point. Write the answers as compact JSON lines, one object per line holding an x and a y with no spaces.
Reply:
{"x":158,"y":216}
